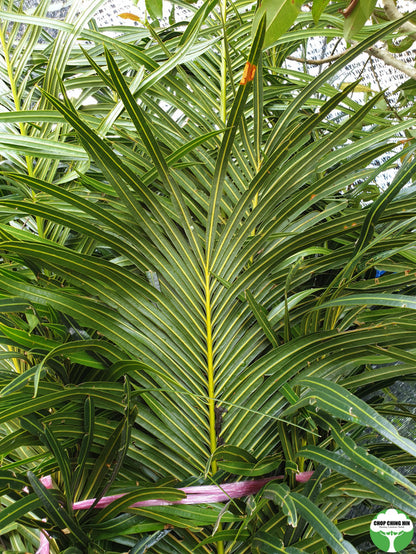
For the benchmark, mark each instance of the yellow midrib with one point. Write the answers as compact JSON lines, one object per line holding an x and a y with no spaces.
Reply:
{"x":210,"y":369}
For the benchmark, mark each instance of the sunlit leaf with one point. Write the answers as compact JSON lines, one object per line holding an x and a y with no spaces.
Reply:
{"x":280,"y":15}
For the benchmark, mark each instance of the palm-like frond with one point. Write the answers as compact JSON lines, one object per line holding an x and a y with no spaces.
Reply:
{"x":194,"y":298}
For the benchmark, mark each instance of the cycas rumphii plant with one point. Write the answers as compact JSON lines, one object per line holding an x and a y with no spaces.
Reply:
{"x":192,"y":300}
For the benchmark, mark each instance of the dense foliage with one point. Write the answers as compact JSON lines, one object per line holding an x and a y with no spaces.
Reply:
{"x":190,"y":288}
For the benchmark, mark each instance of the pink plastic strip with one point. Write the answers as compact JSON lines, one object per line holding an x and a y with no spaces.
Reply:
{"x":204,"y":494}
{"x":43,"y":544}
{"x":44,"y":537}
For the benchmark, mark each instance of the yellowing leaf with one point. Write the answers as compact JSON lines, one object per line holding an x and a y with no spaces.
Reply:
{"x":357,"y":88}
{"x":131,"y":16}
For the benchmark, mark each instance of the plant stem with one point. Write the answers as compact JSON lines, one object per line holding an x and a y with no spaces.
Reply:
{"x":210,"y":370}
{"x":211,"y":389}
{"x":223,"y":116}
{"x":223,"y":107}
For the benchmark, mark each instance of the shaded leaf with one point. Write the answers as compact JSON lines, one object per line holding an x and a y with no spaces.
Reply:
{"x":280,"y":494}
{"x":60,"y":517}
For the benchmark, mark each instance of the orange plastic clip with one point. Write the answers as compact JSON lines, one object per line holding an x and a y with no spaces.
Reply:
{"x":248,"y":73}
{"x":131,"y":16}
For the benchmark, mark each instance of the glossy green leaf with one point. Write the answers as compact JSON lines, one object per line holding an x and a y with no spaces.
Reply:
{"x":10,"y":480}
{"x":97,"y":479}
{"x":81,"y":470}
{"x":142,"y":545}
{"x":56,"y":512}
{"x":280,"y":494}
{"x":355,"y":20}
{"x":109,"y":395}
{"x":155,"y":8}
{"x":142,"y":125}
{"x":322,"y":524}
{"x":267,"y":543}
{"x":393,"y":300}
{"x":42,"y":147}
{"x":280,"y":15}
{"x":139,"y":495}
{"x":228,"y":535}
{"x":405,"y":173}
{"x":339,"y":402}
{"x":19,"y":508}
{"x":228,"y":139}
{"x":363,"y":458}
{"x":318,"y":7}
{"x":374,"y":480}
{"x":20,"y":381}
{"x":352,"y":527}
{"x":62,"y":460}
{"x":124,"y":275}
